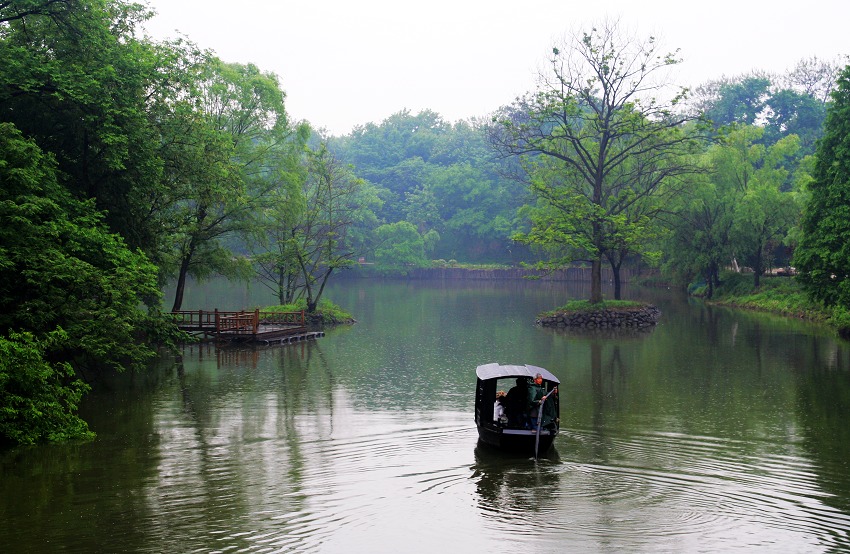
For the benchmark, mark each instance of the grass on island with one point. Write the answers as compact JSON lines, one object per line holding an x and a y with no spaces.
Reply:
{"x":584,"y":306}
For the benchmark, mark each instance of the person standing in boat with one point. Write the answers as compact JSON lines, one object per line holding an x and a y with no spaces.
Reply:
{"x":536,"y":393}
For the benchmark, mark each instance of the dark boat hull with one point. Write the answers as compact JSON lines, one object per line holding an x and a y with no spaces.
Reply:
{"x":517,"y":440}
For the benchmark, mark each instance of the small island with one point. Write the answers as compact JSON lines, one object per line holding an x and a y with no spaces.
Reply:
{"x":604,"y":315}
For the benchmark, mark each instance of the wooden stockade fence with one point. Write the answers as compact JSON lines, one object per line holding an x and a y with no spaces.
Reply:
{"x":245,"y":326}
{"x":574,"y":274}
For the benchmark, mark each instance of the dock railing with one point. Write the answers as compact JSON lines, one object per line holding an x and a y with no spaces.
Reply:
{"x":235,"y":323}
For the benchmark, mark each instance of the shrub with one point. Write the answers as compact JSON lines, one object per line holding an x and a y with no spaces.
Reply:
{"x":38,"y":399}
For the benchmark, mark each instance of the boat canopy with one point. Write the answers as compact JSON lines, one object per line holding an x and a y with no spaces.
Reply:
{"x":496,"y":371}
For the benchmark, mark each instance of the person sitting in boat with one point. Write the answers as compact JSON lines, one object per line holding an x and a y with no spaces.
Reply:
{"x":516,"y":404}
{"x":499,"y":413}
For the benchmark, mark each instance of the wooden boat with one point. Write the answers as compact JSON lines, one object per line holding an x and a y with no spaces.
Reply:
{"x":521,"y":431}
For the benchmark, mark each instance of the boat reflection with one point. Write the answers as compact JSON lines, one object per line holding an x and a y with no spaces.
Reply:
{"x":510,"y":485}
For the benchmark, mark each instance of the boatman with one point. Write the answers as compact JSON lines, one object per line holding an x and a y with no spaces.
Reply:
{"x":536,"y":392}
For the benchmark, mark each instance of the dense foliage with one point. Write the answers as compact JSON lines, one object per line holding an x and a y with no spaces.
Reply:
{"x":823,"y":255}
{"x":443,"y":179}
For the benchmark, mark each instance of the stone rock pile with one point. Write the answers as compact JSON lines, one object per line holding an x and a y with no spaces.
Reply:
{"x":604,"y":318}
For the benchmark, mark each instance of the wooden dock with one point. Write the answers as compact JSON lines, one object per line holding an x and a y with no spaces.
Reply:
{"x":242,"y":326}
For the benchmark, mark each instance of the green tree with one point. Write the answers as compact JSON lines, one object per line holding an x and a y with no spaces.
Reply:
{"x":793,"y":103}
{"x":38,"y":398}
{"x":399,"y":247}
{"x":70,"y":293}
{"x":275,"y":248}
{"x":739,"y":211}
{"x":764,"y":213}
{"x":700,"y":224}
{"x":335,"y":204}
{"x":740,"y":101}
{"x":602,"y":142}
{"x":224,"y":168}
{"x":440,"y":177}
{"x":795,"y":113}
{"x":822,"y":257}
{"x":74,"y":77}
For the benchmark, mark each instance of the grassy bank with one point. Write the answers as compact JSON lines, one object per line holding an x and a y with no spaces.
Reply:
{"x":779,"y":295}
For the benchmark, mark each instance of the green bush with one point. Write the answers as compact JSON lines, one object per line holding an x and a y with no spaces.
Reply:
{"x":326,"y":312}
{"x":38,"y":399}
{"x":840,"y":319}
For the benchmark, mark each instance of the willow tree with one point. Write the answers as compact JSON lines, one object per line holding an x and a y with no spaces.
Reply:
{"x":599,"y":146}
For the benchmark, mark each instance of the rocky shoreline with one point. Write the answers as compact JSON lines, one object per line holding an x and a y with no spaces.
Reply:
{"x":605,"y":318}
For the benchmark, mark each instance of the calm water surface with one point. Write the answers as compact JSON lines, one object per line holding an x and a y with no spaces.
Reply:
{"x":717,"y":431}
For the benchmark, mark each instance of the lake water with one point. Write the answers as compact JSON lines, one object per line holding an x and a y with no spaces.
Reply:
{"x":716,"y":431}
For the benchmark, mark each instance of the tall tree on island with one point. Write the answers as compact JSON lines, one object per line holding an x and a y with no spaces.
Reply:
{"x":605,"y":143}
{"x":313,"y":227}
{"x":822,"y":257}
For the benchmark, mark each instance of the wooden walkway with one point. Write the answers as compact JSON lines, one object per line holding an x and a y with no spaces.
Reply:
{"x":242,"y":326}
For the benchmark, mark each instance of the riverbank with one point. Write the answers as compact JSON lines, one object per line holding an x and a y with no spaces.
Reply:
{"x":778,"y":295}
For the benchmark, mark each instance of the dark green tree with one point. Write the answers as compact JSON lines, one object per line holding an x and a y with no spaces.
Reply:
{"x":74,"y":77}
{"x":70,"y":293}
{"x":740,"y":101}
{"x":822,"y":257}
{"x":223,"y":168}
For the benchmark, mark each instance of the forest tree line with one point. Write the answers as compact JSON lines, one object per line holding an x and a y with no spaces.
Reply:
{"x":129,"y":165}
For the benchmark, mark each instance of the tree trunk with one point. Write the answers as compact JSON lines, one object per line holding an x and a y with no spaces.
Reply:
{"x":709,"y":292}
{"x":615,"y":259}
{"x":617,"y":287}
{"x":181,"y":284}
{"x":596,"y":281}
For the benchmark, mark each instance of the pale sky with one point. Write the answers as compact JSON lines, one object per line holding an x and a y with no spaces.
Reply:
{"x":349,"y":62}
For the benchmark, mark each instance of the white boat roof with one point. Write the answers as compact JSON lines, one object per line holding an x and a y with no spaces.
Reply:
{"x":496,"y":371}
